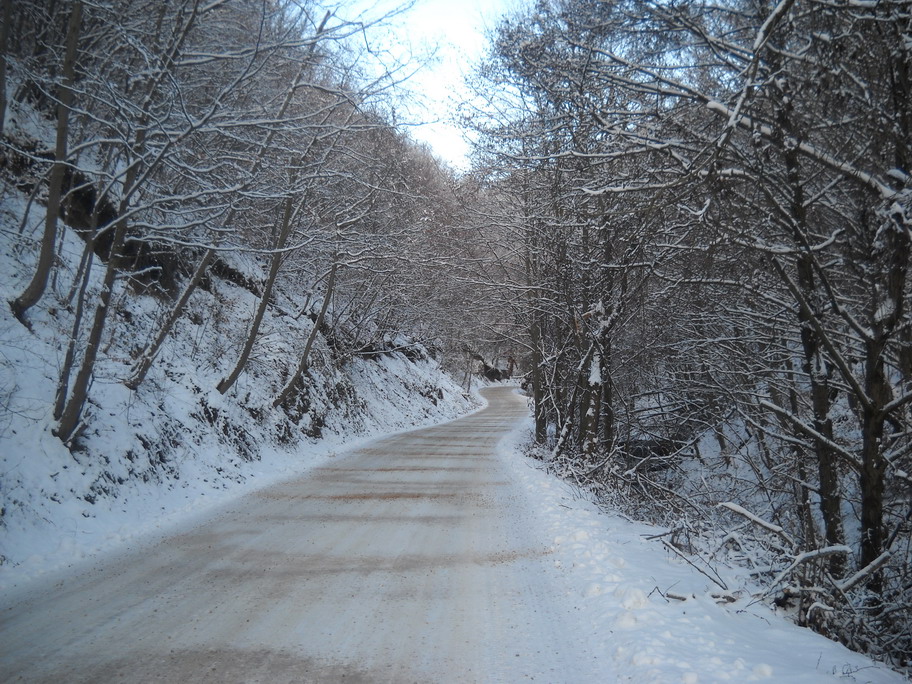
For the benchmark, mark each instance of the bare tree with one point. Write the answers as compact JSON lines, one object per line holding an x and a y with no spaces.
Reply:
{"x":741,"y":173}
{"x":36,"y":287}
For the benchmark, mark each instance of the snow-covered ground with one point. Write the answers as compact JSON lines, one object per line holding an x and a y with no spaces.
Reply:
{"x":175,"y":446}
{"x":440,"y":555}
{"x":652,"y":615}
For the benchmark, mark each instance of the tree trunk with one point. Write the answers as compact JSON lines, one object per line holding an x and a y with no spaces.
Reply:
{"x":283,"y":233}
{"x":605,"y":310}
{"x":150,"y":352}
{"x":814,"y":367}
{"x":905,"y":353}
{"x":6,"y":12}
{"x":302,"y":364}
{"x":586,"y":420}
{"x":71,"y":416}
{"x":63,"y":384}
{"x":814,"y":364}
{"x":587,"y":410}
{"x":803,"y":492}
{"x":606,"y":421}
{"x":35,"y":289}
{"x":887,"y":310}
{"x":538,"y":393}
{"x":873,"y":466}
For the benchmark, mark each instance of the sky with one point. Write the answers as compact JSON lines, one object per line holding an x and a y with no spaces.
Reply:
{"x":454,"y":30}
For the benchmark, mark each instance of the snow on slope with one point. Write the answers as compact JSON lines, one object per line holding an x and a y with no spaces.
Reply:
{"x":53,"y":515}
{"x":175,"y":445}
{"x":622,"y":585}
{"x":155,"y":457}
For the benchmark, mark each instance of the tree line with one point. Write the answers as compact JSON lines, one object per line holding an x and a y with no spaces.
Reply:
{"x":187,"y":131}
{"x":689,"y":222}
{"x":703,"y":212}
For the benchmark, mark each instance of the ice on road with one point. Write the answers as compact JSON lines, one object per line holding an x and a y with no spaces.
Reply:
{"x":437,"y":555}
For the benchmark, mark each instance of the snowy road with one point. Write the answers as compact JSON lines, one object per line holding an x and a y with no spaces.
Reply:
{"x":436,"y":555}
{"x":403,"y":561}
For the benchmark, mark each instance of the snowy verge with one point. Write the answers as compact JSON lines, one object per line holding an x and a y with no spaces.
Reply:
{"x":175,"y":446}
{"x":654,"y":616}
{"x":146,"y":457}
{"x":49,"y":524}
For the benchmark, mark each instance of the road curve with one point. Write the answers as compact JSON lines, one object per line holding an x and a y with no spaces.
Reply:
{"x":404,"y":561}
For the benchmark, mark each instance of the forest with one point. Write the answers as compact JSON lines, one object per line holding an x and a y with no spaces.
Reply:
{"x":687,"y":223}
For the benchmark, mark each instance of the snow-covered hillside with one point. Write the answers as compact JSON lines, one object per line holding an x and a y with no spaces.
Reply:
{"x":175,"y":443}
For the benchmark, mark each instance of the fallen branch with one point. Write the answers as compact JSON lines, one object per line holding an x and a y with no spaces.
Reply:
{"x":847,"y":584}
{"x":803,"y":558}
{"x":775,"y":529}
{"x":718,"y":581}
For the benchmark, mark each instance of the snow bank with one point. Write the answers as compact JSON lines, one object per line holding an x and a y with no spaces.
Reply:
{"x":656,"y":617}
{"x":175,"y":446}
{"x":60,"y":507}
